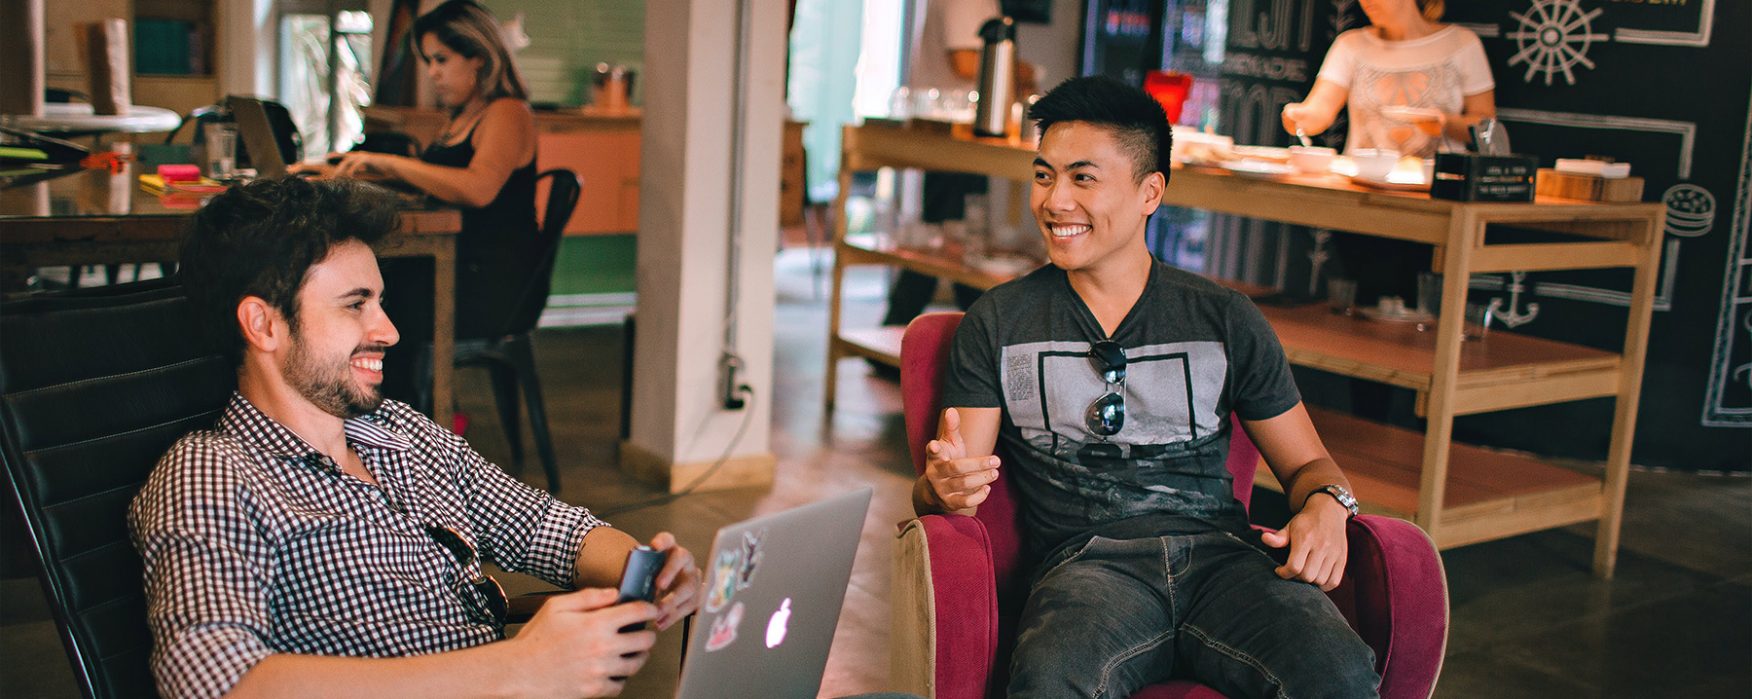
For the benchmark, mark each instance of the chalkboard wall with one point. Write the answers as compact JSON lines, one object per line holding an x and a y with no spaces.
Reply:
{"x":1665,"y":85}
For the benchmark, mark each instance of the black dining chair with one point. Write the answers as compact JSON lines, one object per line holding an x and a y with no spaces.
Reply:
{"x":95,"y":385}
{"x":509,"y":355}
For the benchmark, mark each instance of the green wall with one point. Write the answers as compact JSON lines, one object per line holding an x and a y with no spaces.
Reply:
{"x":569,"y":37}
{"x":597,"y":264}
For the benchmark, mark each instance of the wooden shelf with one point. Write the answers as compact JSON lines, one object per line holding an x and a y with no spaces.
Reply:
{"x":1490,"y":494}
{"x":1502,"y":370}
{"x":878,"y":249}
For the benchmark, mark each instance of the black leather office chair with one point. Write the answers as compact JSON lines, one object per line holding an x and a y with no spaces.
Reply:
{"x":509,"y":356}
{"x":94,"y":388}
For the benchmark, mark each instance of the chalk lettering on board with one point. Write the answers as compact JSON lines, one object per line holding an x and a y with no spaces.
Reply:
{"x":1281,"y":25}
{"x":1705,"y":10}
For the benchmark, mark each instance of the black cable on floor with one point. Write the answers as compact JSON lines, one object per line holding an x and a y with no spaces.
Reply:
{"x":747,"y":417}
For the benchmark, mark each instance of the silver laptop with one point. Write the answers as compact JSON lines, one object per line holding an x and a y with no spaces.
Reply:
{"x":258,"y":136}
{"x":775,"y":585}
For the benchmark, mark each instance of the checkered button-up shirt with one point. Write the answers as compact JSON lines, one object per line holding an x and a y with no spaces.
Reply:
{"x":255,"y":543}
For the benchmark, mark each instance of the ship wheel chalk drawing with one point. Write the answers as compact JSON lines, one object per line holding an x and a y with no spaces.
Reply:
{"x":1554,"y":37}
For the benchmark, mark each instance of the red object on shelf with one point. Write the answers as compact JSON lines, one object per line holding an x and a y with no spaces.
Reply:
{"x":113,"y":162}
{"x":1170,"y":88}
{"x":179,"y":173}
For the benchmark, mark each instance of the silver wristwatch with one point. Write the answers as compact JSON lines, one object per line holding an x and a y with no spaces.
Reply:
{"x":1339,"y":493}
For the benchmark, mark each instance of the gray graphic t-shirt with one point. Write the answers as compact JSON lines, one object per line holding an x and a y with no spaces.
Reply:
{"x":1195,"y":352}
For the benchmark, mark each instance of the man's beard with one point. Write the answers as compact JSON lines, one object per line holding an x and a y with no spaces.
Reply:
{"x":330,"y":387}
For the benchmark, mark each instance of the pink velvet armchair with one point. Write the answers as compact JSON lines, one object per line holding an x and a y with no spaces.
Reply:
{"x":959,"y":580}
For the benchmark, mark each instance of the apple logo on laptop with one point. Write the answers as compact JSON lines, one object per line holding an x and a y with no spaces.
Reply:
{"x":776,"y":627}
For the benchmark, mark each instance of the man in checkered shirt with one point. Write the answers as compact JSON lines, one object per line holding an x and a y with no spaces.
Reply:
{"x":322,"y":541}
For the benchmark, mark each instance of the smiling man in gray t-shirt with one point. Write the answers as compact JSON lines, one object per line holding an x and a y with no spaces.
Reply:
{"x":1110,"y":379}
{"x":1194,"y":352}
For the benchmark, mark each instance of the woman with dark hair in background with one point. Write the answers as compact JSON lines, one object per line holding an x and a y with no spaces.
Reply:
{"x":483,"y":161}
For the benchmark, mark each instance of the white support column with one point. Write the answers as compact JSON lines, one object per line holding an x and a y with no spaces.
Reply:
{"x":679,"y":424}
{"x":248,"y":43}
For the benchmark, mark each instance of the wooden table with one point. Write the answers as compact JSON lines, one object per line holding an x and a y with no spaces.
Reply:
{"x":1457,"y":493}
{"x":94,"y":217}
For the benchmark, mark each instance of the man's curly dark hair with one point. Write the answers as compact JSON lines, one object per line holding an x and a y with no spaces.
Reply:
{"x":260,"y":239}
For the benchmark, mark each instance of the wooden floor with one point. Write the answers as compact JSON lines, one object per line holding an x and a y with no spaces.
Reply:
{"x":1528,"y":618}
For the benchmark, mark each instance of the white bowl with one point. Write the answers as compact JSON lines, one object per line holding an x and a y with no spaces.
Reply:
{"x":1194,"y":146}
{"x":1312,"y":160}
{"x":1374,"y":163}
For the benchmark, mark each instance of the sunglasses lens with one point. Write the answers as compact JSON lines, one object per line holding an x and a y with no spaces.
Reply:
{"x":497,"y":605}
{"x":452,"y":543}
{"x":489,"y":589}
{"x":1106,"y":416}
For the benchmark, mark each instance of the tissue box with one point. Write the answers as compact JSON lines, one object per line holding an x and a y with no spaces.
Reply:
{"x":1474,"y":177}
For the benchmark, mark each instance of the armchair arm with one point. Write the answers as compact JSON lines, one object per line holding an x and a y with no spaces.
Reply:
{"x":1396,"y":596}
{"x":944,"y":635}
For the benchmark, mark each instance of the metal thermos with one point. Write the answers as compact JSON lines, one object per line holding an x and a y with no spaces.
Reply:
{"x":997,"y":77}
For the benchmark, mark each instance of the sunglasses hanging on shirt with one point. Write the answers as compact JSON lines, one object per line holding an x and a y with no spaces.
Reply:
{"x":1106,"y":416}
{"x":496,"y":605}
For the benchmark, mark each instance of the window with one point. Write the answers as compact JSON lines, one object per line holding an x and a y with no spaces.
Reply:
{"x":325,"y":69}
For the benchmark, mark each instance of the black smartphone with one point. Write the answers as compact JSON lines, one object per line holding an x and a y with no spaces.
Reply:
{"x":639,"y":579}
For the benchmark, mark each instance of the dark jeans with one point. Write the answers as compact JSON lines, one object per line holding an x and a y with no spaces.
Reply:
{"x":1116,"y":616}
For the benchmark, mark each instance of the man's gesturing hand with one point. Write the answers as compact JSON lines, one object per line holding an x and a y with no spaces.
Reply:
{"x":957,"y":481}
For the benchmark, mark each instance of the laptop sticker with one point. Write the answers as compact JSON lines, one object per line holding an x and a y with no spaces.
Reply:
{"x":725,"y":571}
{"x":751,"y":558}
{"x":724,"y":628}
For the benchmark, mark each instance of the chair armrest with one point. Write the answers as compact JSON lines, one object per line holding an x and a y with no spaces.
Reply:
{"x":1396,"y":595}
{"x":944,"y":636}
{"x":521,"y":608}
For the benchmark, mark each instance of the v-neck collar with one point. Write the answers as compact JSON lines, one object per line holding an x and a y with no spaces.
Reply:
{"x":1088,"y":316}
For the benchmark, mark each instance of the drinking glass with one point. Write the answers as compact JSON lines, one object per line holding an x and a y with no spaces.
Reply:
{"x":221,"y":143}
{"x":1341,"y":295}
